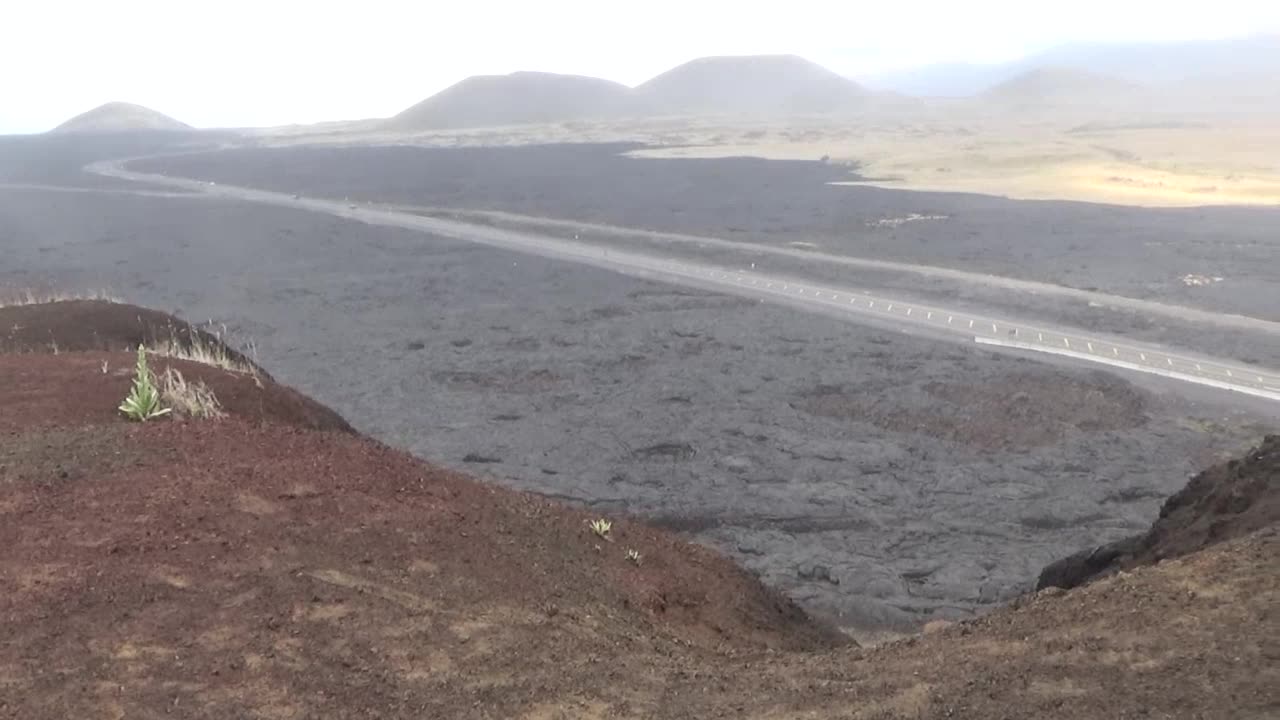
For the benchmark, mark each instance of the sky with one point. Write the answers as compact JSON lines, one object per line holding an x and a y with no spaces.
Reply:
{"x":238,"y":63}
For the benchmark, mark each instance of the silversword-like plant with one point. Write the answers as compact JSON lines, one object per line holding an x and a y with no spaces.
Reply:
{"x":143,"y":402}
{"x":601,"y":528}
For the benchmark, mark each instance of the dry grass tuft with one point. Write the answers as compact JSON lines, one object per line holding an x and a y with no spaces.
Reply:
{"x":192,"y":399}
{"x":195,"y":348}
{"x":28,"y":297}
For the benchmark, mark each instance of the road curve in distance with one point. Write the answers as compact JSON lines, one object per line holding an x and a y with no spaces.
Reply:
{"x":852,"y":303}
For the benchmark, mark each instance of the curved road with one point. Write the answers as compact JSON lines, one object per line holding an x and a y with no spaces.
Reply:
{"x":852,"y":303}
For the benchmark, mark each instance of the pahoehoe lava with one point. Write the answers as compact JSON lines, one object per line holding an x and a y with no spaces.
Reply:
{"x":569,"y":378}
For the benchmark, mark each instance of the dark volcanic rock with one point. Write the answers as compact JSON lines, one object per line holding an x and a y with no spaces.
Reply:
{"x":1224,"y":502}
{"x":332,"y":306}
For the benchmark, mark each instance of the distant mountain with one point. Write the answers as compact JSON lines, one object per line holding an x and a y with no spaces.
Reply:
{"x":944,"y":80}
{"x":1158,"y":64}
{"x":760,"y":85}
{"x":515,"y":99}
{"x":119,"y":117}
{"x":1249,"y":66}
{"x":1061,"y":87}
{"x":749,"y":85}
{"x":1239,"y":92}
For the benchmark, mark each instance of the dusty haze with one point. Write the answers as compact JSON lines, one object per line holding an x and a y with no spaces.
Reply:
{"x":227,"y":68}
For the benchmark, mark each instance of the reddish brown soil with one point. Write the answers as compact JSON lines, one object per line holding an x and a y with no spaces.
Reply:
{"x":34,"y":391}
{"x":93,"y":342}
{"x":78,"y":325}
{"x":250,"y":567}
{"x":1226,"y":501}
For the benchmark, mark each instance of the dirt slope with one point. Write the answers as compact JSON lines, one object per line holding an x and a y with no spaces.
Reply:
{"x":251,"y":567}
{"x":34,"y":392}
{"x":1226,"y":501}
{"x":79,"y":325}
{"x":119,"y":117}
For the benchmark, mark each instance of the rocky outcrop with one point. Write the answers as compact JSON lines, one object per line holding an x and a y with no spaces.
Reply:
{"x":1224,"y":502}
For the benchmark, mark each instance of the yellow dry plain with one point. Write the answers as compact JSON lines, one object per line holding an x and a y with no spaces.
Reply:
{"x":1118,"y":157}
{"x":1195,"y":164}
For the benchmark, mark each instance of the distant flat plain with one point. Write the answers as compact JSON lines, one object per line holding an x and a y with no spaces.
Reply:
{"x":1147,"y":160}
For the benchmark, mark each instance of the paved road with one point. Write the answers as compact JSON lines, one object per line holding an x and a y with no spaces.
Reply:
{"x":99,"y":190}
{"x":814,"y":255}
{"x":853,"y":303}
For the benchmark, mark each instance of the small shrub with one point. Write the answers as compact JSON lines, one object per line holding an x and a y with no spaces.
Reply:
{"x":143,"y":402}
{"x":199,"y":348}
{"x":633,"y":556}
{"x":190,"y":399}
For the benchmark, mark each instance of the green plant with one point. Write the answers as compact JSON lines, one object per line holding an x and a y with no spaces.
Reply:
{"x":143,"y":402}
{"x":601,"y":528}
{"x":633,"y":556}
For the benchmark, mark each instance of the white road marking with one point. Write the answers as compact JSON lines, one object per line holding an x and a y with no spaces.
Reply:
{"x":1229,"y":374}
{"x":1143,"y":356}
{"x":1170,"y":360}
{"x":993,"y":328}
{"x":950,"y":318}
{"x":1199,"y":368}
{"x":1115,"y":351}
{"x":1271,"y":393}
{"x":890,"y":307}
{"x":908,"y":312}
{"x":1090,"y":346}
{"x":1066,"y":342}
{"x":1040,"y":336}
{"x":970,"y":323}
{"x":928,"y":316}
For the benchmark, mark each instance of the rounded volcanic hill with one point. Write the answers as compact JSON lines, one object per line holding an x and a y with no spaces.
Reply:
{"x":521,"y":98}
{"x":120,"y":117}
{"x":1062,"y":87}
{"x":749,"y":85}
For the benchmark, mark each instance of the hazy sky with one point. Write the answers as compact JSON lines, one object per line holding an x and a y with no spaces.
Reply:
{"x":268,"y":62}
